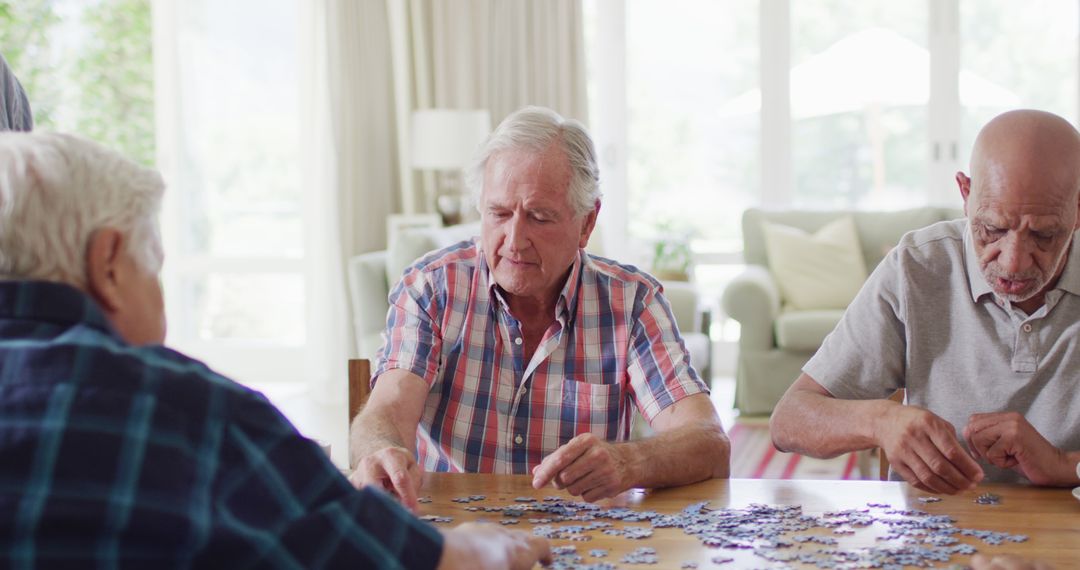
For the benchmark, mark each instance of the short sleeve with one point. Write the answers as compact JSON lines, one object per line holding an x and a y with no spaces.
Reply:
{"x":659,"y":364}
{"x":864,"y":356}
{"x":413,"y":339}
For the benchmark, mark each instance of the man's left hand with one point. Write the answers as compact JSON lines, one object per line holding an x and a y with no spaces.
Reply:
{"x":587,"y":466}
{"x":1007,"y":440}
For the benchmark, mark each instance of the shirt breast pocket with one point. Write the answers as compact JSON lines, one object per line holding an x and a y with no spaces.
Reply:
{"x":591,"y":397}
{"x":595,"y":407}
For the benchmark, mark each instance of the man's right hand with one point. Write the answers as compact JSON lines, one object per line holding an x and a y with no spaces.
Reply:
{"x":393,"y":469}
{"x":924,"y":450}
{"x":485,"y":545}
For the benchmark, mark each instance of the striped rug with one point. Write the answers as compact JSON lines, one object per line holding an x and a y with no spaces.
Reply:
{"x":754,"y":457}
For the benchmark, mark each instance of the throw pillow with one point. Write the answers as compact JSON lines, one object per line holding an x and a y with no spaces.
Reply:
{"x":820,"y":271}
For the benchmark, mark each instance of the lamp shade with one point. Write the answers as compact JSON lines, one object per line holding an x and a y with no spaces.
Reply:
{"x":445,"y":139}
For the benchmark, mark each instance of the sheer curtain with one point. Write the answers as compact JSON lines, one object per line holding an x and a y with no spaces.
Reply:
{"x":499,"y":55}
{"x":370,"y":63}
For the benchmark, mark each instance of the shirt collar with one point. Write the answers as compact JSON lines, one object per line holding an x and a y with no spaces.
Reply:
{"x":1070,"y":277}
{"x":1069,"y":280}
{"x":51,"y":302}
{"x":565,"y":306}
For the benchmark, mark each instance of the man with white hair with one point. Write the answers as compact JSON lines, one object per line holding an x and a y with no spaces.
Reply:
{"x":118,"y":452}
{"x":522,"y":353}
{"x":976,"y":319}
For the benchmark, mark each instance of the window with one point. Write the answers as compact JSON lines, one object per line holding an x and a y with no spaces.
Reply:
{"x":684,"y":147}
{"x":1017,"y":54}
{"x":869,"y":105}
{"x":86,"y":68}
{"x":859,"y":82}
{"x":234,"y":215}
{"x":222,"y":122}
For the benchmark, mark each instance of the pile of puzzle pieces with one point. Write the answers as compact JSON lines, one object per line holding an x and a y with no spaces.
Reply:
{"x":779,"y":536}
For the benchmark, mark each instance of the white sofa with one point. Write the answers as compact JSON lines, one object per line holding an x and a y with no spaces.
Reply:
{"x":776,"y":341}
{"x":372,"y":275}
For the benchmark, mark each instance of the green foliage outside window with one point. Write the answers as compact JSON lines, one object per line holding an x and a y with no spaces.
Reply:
{"x":87,"y":68}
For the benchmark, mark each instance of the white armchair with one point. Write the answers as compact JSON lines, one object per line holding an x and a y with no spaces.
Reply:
{"x":372,"y":275}
{"x":693,"y":323}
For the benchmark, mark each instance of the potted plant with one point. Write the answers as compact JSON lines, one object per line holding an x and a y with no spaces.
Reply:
{"x":672,"y":258}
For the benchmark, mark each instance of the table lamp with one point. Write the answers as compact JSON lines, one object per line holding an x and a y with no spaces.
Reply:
{"x":445,"y":140}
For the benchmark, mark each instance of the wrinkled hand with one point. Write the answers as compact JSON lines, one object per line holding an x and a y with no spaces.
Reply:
{"x":393,"y":469}
{"x":1009,"y":441}
{"x":923,"y":449}
{"x":485,"y":545}
{"x":1006,"y":562}
{"x":586,"y":466}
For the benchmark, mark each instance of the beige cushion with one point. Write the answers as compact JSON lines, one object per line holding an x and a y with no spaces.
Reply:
{"x":820,"y":271}
{"x":805,"y":330}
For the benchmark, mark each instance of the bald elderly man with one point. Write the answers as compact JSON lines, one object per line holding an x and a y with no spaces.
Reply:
{"x":977,"y":319}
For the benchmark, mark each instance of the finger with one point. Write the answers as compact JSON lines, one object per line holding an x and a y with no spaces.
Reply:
{"x":541,"y":549}
{"x":973,"y":445}
{"x":417,"y":474}
{"x":598,"y":493}
{"x":394,"y":472}
{"x":972,"y":441}
{"x":357,"y":479}
{"x":924,"y":474}
{"x":983,"y":417}
{"x":979,"y":422}
{"x":553,"y":464}
{"x":583,"y":485}
{"x":585,"y":464}
{"x":910,"y":477}
{"x":377,"y":476}
{"x":959,"y":468}
{"x":1002,"y":453}
{"x":996,"y":446}
{"x":404,"y":487}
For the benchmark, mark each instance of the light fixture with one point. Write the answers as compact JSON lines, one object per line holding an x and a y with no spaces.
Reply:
{"x":445,"y":140}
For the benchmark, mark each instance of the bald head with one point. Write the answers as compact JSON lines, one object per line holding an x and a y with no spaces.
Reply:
{"x":1027,"y":152}
{"x":1023,"y":202}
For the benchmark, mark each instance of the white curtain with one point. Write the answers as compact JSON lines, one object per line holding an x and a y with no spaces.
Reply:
{"x":350,"y":148}
{"x":498,"y":55}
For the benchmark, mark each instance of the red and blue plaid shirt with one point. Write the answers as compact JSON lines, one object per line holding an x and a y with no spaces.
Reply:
{"x":614,"y":343}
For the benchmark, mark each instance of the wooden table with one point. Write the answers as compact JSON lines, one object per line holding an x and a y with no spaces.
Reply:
{"x":1049,"y":517}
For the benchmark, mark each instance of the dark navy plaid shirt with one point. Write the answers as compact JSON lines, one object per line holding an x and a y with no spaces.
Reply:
{"x":121,"y":456}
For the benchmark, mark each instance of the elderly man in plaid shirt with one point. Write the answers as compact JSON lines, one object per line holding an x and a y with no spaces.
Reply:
{"x":522,"y":353}
{"x":118,"y":452}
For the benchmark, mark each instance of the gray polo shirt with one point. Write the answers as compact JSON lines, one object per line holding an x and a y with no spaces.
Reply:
{"x":926,"y":320}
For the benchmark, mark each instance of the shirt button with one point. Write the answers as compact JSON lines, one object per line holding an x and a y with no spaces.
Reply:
{"x":518,"y":439}
{"x":517,"y":341}
{"x":1027,"y":327}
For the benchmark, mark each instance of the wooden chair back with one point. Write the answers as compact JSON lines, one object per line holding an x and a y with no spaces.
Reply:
{"x":359,"y":385}
{"x":883,"y":466}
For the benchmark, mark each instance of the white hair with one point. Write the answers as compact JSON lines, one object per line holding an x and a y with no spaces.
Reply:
{"x":536,"y":129}
{"x":56,"y":190}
